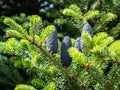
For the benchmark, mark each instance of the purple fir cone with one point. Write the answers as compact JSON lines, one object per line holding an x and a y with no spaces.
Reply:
{"x":86,"y":28}
{"x":65,"y":57}
{"x":52,"y":42}
{"x":78,"y":43}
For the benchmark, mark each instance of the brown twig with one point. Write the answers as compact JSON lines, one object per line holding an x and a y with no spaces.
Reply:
{"x":78,"y":74}
{"x":115,"y":71}
{"x":104,"y":59}
{"x":113,"y":75}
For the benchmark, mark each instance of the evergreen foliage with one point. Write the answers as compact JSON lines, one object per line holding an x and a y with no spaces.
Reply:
{"x":24,"y":87}
{"x":9,"y":74}
{"x":97,"y":19}
{"x":26,"y":62}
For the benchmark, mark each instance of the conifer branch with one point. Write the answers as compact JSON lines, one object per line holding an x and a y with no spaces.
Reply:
{"x":58,"y":65}
{"x":8,"y":76}
{"x":10,"y":84}
{"x":115,"y":71}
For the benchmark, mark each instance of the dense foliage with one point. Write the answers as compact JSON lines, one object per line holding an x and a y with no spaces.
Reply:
{"x":73,"y":45}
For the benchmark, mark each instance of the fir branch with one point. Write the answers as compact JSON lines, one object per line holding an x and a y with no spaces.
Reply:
{"x":91,"y":14}
{"x":13,"y":25}
{"x":24,"y":87}
{"x":107,"y":17}
{"x":115,"y":71}
{"x":58,"y":65}
{"x":10,"y":84}
{"x":8,"y":76}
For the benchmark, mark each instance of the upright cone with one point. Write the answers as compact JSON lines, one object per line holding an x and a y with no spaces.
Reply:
{"x":52,"y":42}
{"x":86,"y":28}
{"x":78,"y":43}
{"x":65,"y":57}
